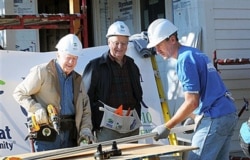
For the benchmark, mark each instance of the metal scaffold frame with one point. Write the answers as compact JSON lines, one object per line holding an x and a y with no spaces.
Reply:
{"x":49,"y":21}
{"x":229,"y":61}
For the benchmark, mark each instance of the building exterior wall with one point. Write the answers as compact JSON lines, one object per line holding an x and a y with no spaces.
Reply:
{"x":108,"y":11}
{"x":226,"y":29}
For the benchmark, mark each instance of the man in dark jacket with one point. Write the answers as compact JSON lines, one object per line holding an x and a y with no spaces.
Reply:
{"x":113,"y":82}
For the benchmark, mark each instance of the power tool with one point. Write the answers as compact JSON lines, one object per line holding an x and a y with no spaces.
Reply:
{"x":53,"y":117}
{"x":33,"y":126}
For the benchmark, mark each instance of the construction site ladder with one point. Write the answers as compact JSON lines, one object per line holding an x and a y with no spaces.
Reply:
{"x":164,"y":105}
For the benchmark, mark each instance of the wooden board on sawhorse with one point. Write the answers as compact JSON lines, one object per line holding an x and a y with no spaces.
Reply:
{"x":140,"y":152}
{"x":131,"y":151}
{"x":68,"y":152}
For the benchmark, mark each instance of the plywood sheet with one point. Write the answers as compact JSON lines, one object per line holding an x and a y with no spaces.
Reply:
{"x":129,"y":151}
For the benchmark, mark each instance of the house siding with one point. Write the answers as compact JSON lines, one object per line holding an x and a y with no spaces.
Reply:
{"x":226,"y":29}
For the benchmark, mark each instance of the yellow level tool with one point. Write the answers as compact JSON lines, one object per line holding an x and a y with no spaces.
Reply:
{"x":164,"y":105}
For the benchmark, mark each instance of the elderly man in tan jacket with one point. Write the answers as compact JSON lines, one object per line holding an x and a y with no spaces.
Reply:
{"x":57,"y":84}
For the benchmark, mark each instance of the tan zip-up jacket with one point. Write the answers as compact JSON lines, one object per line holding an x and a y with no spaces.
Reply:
{"x":41,"y":86}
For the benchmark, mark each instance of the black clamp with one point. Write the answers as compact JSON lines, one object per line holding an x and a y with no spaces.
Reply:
{"x":101,"y":155}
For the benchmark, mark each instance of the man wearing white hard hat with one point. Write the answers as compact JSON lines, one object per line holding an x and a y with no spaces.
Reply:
{"x":113,"y":85}
{"x":207,"y":99}
{"x":57,"y":84}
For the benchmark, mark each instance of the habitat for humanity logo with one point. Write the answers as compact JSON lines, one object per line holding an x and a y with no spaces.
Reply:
{"x":5,"y":135}
{"x":5,"y":132}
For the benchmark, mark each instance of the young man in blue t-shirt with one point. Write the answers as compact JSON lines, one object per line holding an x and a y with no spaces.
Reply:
{"x":204,"y":91}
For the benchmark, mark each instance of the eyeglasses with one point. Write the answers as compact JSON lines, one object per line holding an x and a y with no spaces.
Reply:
{"x":116,"y":44}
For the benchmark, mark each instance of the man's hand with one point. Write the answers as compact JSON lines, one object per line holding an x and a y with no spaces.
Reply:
{"x":162,"y":132}
{"x":86,"y":137}
{"x":41,"y":116}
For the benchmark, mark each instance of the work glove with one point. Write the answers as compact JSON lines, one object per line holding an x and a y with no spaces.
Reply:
{"x":162,"y":132}
{"x":35,"y":107}
{"x":86,"y":137}
{"x":41,"y":116}
{"x":189,"y":121}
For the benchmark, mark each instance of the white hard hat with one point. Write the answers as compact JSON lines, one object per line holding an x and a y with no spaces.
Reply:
{"x":118,"y":28}
{"x":159,"y":30}
{"x":70,"y":44}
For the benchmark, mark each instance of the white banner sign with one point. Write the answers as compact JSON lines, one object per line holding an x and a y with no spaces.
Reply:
{"x":15,"y":65}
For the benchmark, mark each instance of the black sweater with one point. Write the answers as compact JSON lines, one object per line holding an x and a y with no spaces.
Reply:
{"x":100,"y":83}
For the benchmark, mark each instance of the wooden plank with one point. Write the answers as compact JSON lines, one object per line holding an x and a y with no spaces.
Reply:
{"x":129,"y":151}
{"x":68,"y":152}
{"x":132,"y":151}
{"x":74,"y":150}
{"x":74,"y":7}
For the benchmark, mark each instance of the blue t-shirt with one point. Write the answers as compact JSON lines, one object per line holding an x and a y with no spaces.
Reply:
{"x":198,"y":75}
